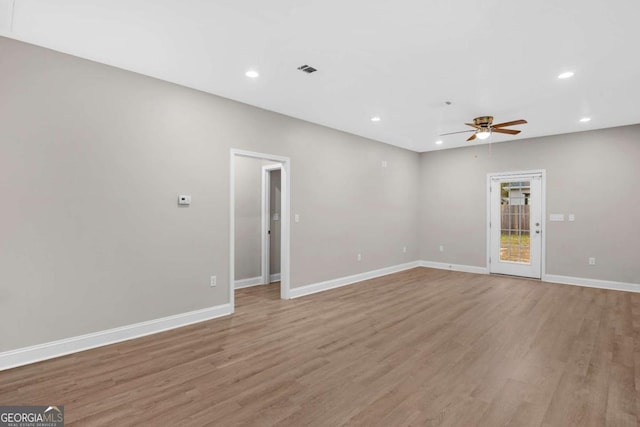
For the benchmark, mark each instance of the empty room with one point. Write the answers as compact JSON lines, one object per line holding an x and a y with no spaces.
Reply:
{"x":285,"y":213}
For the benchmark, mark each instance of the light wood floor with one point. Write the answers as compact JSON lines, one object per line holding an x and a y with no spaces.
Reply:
{"x":421,"y":348}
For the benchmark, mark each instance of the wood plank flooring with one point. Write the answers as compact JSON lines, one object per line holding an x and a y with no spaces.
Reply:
{"x":418,"y":348}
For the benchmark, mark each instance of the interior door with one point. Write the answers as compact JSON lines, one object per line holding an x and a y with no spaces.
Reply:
{"x":515,"y":226}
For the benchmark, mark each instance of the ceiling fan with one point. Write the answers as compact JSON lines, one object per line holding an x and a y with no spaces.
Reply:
{"x":484,"y":127}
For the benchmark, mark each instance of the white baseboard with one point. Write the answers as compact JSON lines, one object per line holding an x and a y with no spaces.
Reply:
{"x":245,"y":283}
{"x":454,"y":267}
{"x":592,"y":283}
{"x":37,"y":353}
{"x":255,"y":281}
{"x":551,"y":278}
{"x":344,"y":281}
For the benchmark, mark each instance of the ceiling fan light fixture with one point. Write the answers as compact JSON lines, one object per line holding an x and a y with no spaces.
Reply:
{"x":483,"y":133}
{"x":483,"y":127}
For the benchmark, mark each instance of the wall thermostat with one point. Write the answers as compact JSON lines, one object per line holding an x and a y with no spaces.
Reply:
{"x":184,"y":200}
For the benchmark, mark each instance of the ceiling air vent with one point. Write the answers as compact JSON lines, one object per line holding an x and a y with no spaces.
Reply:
{"x":307,"y":69}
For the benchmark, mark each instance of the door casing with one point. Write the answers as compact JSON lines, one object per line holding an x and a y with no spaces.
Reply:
{"x":543,"y":198}
{"x":285,"y":218}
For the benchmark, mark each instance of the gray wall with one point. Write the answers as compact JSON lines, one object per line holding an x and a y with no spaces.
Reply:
{"x":92,"y":159}
{"x":594,"y":175}
{"x":248,"y":217}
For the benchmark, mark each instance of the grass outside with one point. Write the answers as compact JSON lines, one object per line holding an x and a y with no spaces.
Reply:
{"x":514,"y":247}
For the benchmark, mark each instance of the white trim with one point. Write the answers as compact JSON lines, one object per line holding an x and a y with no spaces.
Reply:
{"x":543,"y":207}
{"x":285,"y":219}
{"x":232,"y":227}
{"x":258,"y":155}
{"x":349,"y":280}
{"x":255,"y":281}
{"x":549,"y":278}
{"x":246,"y":283}
{"x":37,"y":353}
{"x":285,"y":230}
{"x":592,"y":283}
{"x":455,"y":267}
{"x":265,"y":221}
{"x":273,"y":167}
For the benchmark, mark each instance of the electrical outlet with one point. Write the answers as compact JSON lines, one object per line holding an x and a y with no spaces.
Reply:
{"x":359,"y":257}
{"x":441,"y":248}
{"x":213,"y":281}
{"x":592,"y":261}
{"x":404,"y":249}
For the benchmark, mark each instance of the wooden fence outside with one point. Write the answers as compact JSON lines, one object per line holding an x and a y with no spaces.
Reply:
{"x":515,"y":218}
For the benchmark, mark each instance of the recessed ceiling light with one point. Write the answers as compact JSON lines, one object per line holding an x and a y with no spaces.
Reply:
{"x":439,"y":142}
{"x":375,"y":119}
{"x":252,"y":74}
{"x":566,"y":75}
{"x":585,"y":119}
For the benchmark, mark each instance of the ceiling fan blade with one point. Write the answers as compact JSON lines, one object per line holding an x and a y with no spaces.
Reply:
{"x":513,"y":123}
{"x":453,"y":133}
{"x":507,"y":131}
{"x":472,"y":137}
{"x":472,"y":125}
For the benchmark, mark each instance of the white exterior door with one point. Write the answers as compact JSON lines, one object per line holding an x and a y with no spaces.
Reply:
{"x":515,"y":226}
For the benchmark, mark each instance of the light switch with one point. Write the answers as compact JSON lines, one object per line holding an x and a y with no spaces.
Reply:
{"x":556,"y":217}
{"x":276,"y":216}
{"x":184,"y":200}
{"x":296,"y":217}
{"x":572,"y":217}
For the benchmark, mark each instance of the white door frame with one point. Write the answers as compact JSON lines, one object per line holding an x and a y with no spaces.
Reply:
{"x":543,"y":208}
{"x":284,"y":218}
{"x":266,"y":220}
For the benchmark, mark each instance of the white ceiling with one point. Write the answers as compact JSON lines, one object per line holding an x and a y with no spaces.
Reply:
{"x":399,"y":60}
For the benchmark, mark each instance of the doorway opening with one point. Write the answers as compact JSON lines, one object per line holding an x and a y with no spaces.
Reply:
{"x":281,"y":166}
{"x":515,"y":238}
{"x":271,"y":229}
